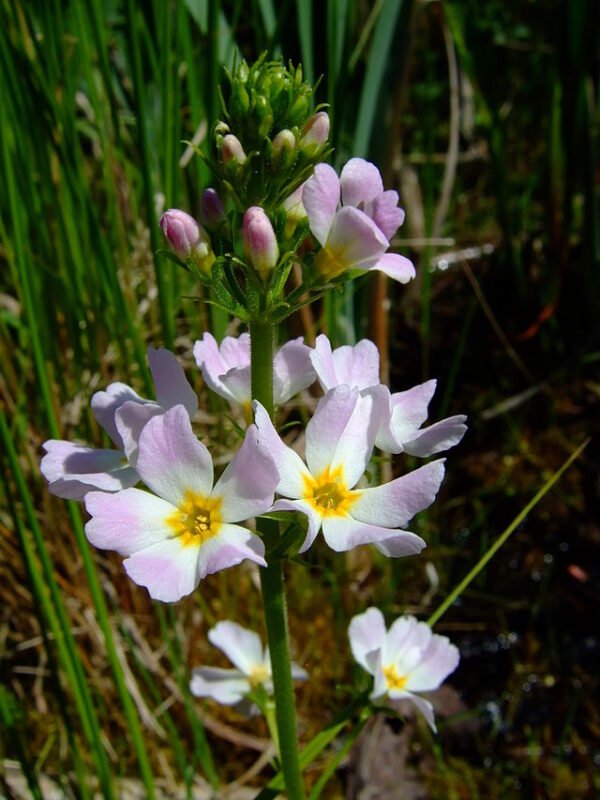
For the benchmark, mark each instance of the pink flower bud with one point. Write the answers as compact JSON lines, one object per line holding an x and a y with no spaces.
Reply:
{"x":315,"y":132}
{"x":187,"y":239}
{"x":232,"y":150}
{"x":181,"y":231}
{"x":284,"y":148}
{"x":260,"y":242}
{"x":212,"y":211}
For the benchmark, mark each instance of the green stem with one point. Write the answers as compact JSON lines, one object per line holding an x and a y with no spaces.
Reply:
{"x":272,"y":583}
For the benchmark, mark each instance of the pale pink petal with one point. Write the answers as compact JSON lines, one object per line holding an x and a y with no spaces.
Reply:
{"x":395,"y":266}
{"x":355,"y":366}
{"x":399,"y":638}
{"x":168,"y":569}
{"x":72,"y":470}
{"x":344,"y":533}
{"x":130,"y":419}
{"x":354,"y":241}
{"x":171,"y":385}
{"x":437,"y":437}
{"x":299,"y":674}
{"x":327,"y":426}
{"x":324,"y":364}
{"x":237,"y":383}
{"x":314,"y":518}
{"x":171,"y":460}
{"x":400,"y":544}
{"x":232,"y":545}
{"x":225,"y":686}
{"x":127,"y":521}
{"x":366,"y":633}
{"x":385,"y":213}
{"x":104,"y":404}
{"x":360,"y":182}
{"x":242,"y":647}
{"x":320,"y":197}
{"x":247,"y":486}
{"x":292,"y":370}
{"x":215,"y":361}
{"x":395,"y":503}
{"x":422,"y":705}
{"x":408,"y":411}
{"x":292,"y":471}
{"x":437,"y":661}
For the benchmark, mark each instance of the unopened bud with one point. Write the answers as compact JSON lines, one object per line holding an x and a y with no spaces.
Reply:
{"x":211,"y":210}
{"x":187,"y":239}
{"x":315,"y":133}
{"x":260,"y":242}
{"x":284,"y":149}
{"x":294,"y":210}
{"x":232,"y":150}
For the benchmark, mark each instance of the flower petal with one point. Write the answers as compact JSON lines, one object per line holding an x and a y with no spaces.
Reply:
{"x":355,"y":366}
{"x":360,"y":182}
{"x":242,"y":647}
{"x":247,"y":486}
{"x":314,"y":519}
{"x":437,"y":661}
{"x":385,"y":213}
{"x":291,"y":468}
{"x":171,"y":385}
{"x":130,"y":419}
{"x":395,"y":266}
{"x":127,"y":521}
{"x":327,"y":427}
{"x":402,"y":543}
{"x":344,"y":533}
{"x":168,"y":569}
{"x":320,"y":197}
{"x":299,"y":674}
{"x":232,"y":545}
{"x":292,"y":370}
{"x":354,"y":241}
{"x":437,"y":437}
{"x":237,"y":383}
{"x":104,"y":404}
{"x":72,"y":470}
{"x":408,"y":411}
{"x":225,"y":686}
{"x":367,"y":633}
{"x":215,"y":361}
{"x":171,"y":461}
{"x":422,"y":705}
{"x":395,"y":503}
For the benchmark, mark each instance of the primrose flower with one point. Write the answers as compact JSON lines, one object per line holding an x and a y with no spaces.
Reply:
{"x":226,"y":368}
{"x":73,"y":469}
{"x":339,"y":443}
{"x":252,"y":666}
{"x":406,"y":659}
{"x":185,"y":530}
{"x":356,"y":234}
{"x":400,"y":429}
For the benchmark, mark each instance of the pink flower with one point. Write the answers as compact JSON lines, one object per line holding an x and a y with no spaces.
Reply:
{"x":183,"y":530}
{"x":187,"y":239}
{"x":314,"y":133}
{"x":226,"y":368}
{"x":339,"y":442}
{"x":73,"y":469}
{"x":252,"y":666}
{"x":405,"y":659}
{"x":260,"y":242}
{"x":405,"y":412}
{"x":353,"y":219}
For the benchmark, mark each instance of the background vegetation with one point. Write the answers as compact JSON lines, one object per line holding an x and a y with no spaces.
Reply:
{"x":485,"y":116}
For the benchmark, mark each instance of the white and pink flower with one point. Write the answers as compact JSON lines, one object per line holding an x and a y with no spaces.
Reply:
{"x":251,"y":661}
{"x":353,"y":219}
{"x":404,"y":413}
{"x":74,"y":469}
{"x":339,"y":442}
{"x":226,"y":368}
{"x":184,"y":530}
{"x":405,"y":659}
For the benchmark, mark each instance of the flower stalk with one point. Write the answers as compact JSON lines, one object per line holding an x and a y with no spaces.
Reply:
{"x":272,"y":582}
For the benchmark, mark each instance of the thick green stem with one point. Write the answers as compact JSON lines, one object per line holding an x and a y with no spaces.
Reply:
{"x":272,"y":583}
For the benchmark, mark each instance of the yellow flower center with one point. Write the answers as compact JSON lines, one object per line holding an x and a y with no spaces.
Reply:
{"x":393,"y":680}
{"x":259,"y":674}
{"x":328,"y":494}
{"x":196,"y":520}
{"x":330,"y":263}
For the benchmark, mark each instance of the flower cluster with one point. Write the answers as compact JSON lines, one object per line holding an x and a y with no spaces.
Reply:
{"x":405,"y":659}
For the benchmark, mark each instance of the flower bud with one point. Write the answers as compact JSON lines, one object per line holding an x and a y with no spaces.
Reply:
{"x":232,"y":150}
{"x":294,"y":211}
{"x":284,"y":149}
{"x":187,"y":239}
{"x":260,"y":242}
{"x":212,"y":211}
{"x":315,"y":133}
